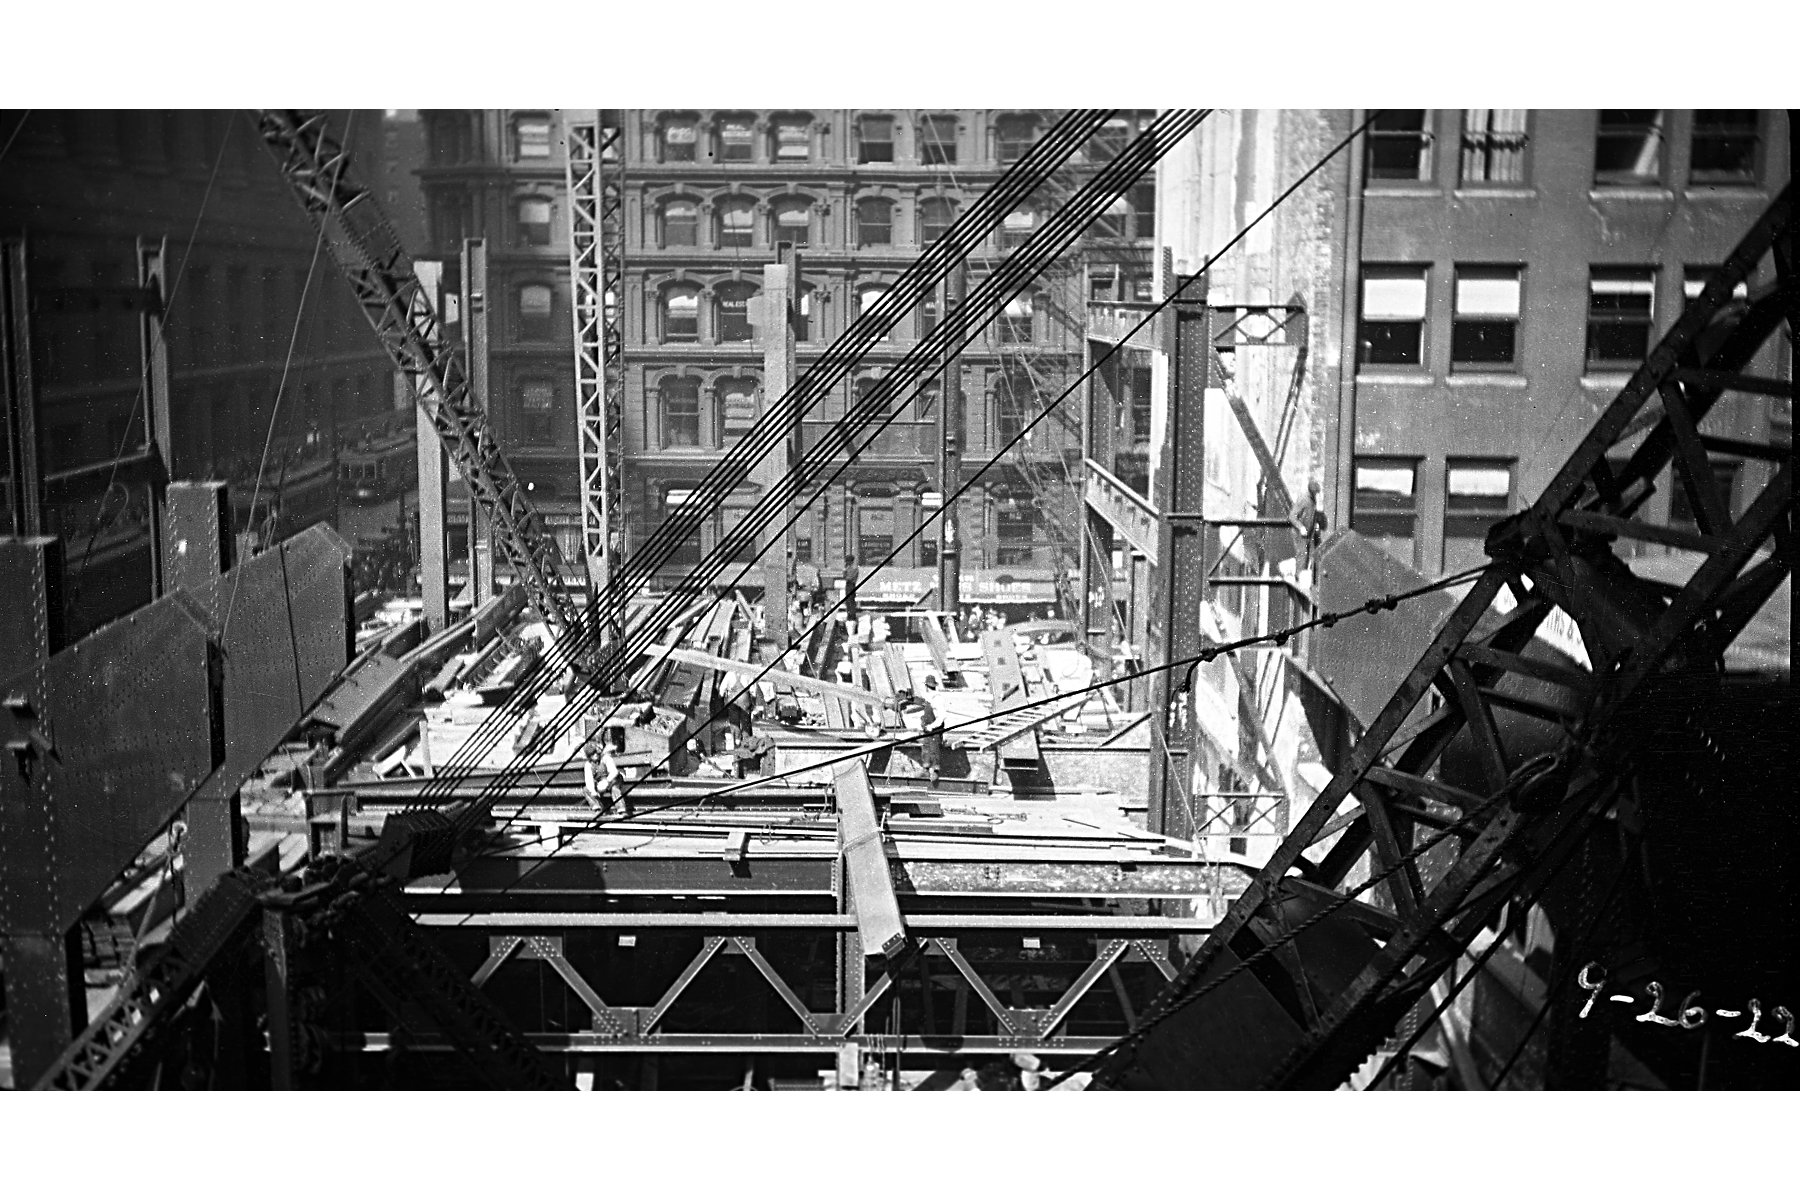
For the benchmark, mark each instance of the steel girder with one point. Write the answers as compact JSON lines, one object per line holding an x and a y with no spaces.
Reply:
{"x":369,"y":253}
{"x":595,"y":176}
{"x":1289,"y":991}
{"x":973,"y":970}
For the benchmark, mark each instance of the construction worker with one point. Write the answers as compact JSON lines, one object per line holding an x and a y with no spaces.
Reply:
{"x":1309,"y":522}
{"x":851,"y":576}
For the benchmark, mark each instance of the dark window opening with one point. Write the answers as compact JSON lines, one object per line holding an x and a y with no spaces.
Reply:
{"x":535,"y":302}
{"x":936,"y":215}
{"x":736,"y":222}
{"x":680,"y":223}
{"x":1013,"y":137}
{"x":736,"y":138}
{"x":793,"y":223}
{"x":680,"y":136}
{"x":1621,"y":313}
{"x":875,"y":140}
{"x":680,"y":413}
{"x":531,"y":138}
{"x":1485,"y":331}
{"x":1726,"y":141}
{"x":733,"y":312}
{"x":681,"y":315}
{"x":1399,"y":145}
{"x":1628,"y":146}
{"x":1392,"y":330}
{"x":1384,"y":506}
{"x":1477,"y":493}
{"x":791,"y":140}
{"x":874,"y":223}
{"x":534,"y":222}
{"x":537,"y":412}
{"x":937,"y":141}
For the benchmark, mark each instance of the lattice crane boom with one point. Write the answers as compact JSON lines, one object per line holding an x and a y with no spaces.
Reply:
{"x":368,"y":251}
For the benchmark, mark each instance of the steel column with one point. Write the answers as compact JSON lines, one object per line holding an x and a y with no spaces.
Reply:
{"x":780,"y":296}
{"x":18,"y":393}
{"x":476,"y":346}
{"x":152,"y":264}
{"x":1183,"y":552}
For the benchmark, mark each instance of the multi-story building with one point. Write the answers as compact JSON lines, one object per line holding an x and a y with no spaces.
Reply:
{"x":1473,"y":288}
{"x":1507,"y":270}
{"x":83,"y":188}
{"x":710,"y":195}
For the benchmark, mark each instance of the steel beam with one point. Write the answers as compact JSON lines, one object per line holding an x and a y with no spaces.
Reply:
{"x":861,"y":842}
{"x":475,"y":324}
{"x":18,"y":393}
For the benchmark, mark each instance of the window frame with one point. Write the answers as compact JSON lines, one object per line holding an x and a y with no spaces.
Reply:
{"x":748,"y":120}
{"x":668,"y":421}
{"x":1362,"y":514}
{"x":1749,"y":177}
{"x":725,"y":293}
{"x":933,"y":204}
{"x":535,"y":327}
{"x":1018,"y":316}
{"x":788,"y":120}
{"x":662,"y":223}
{"x":1470,"y":521}
{"x":1376,"y":138}
{"x":537,"y":424}
{"x":723,"y":388}
{"x":1422,"y":357}
{"x":873,"y":203}
{"x":1491,"y":136}
{"x":734,"y":204}
{"x":1474,"y":321}
{"x":863,"y":142}
{"x":1019,"y":147}
{"x":789,"y":204}
{"x":1647,"y":321}
{"x":524,"y":237}
{"x":668,"y":293}
{"x":933,"y":150}
{"x":669,"y":121}
{"x":519,"y":122}
{"x":1657,"y":128}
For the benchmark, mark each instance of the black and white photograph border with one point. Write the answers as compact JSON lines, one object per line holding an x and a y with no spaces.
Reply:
{"x":730,"y":595}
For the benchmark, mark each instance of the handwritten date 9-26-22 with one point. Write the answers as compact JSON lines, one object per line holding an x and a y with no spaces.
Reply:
{"x":1691,"y":1014}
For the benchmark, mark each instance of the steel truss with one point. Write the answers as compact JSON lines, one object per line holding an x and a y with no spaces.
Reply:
{"x":959,"y":953}
{"x":1316,"y":988}
{"x":595,"y":175}
{"x":369,"y":253}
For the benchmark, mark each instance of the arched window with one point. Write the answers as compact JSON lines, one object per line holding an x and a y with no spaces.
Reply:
{"x":677,"y":136}
{"x":731,"y":312}
{"x":936,"y":215}
{"x":874,"y":222}
{"x":531,"y":137}
{"x":790,"y":138}
{"x":1015,"y":320}
{"x":734,"y":221}
{"x":875,"y":139}
{"x":874,"y":527}
{"x":537,"y":412}
{"x":680,"y":418}
{"x":1016,"y":228}
{"x":734,"y":137}
{"x":681,"y":313}
{"x":1013,"y":137}
{"x":867,"y":297}
{"x":680,"y":222}
{"x":535,"y":302}
{"x":937,"y":140}
{"x":736,"y":406}
{"x":534,"y":221}
{"x":792,"y":221}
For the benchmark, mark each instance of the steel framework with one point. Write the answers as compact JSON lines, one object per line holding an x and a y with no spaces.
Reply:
{"x":595,"y":175}
{"x":1320,"y":985}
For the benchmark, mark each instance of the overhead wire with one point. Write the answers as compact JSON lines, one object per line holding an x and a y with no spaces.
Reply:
{"x":14,"y":135}
{"x":824,"y":373}
{"x":1144,"y":321}
{"x":926,"y":356}
{"x":281,"y":385}
{"x":1067,"y":224}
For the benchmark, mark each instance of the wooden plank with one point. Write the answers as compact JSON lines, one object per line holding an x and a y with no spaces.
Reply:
{"x":1006,"y":687}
